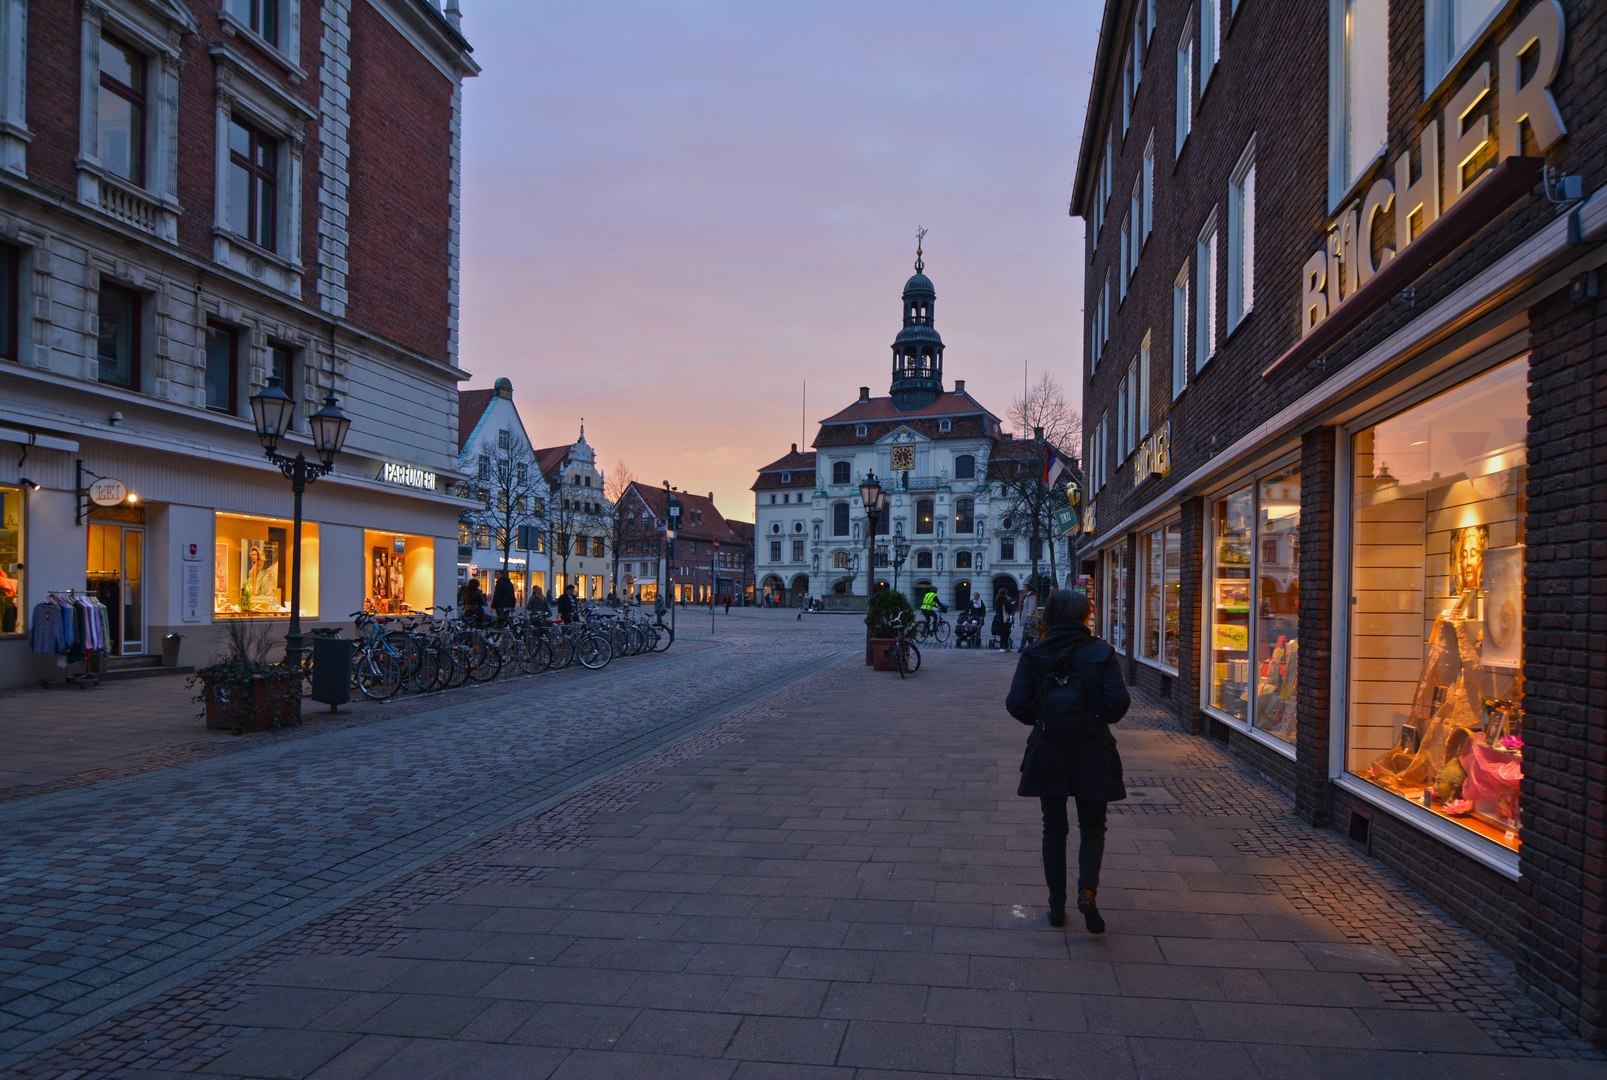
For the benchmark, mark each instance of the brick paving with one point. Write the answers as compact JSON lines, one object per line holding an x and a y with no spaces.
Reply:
{"x":836,"y":880}
{"x":117,"y":889}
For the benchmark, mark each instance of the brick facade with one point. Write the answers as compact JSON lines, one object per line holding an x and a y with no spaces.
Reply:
{"x":1498,"y":291}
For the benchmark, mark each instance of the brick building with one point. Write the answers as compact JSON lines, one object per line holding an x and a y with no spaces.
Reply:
{"x":711,"y":559}
{"x":195,"y":197}
{"x":1344,"y":429}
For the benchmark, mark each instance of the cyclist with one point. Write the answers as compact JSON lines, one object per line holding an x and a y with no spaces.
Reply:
{"x":929,"y":609}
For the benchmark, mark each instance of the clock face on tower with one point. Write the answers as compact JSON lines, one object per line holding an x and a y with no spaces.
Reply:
{"x":903,"y":458}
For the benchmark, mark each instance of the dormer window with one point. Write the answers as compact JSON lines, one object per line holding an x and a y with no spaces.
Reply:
{"x":861,"y":430}
{"x":945,"y":425}
{"x":786,"y":478}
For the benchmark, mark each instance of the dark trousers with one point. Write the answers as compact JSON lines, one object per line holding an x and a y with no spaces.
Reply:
{"x":1090,"y":849}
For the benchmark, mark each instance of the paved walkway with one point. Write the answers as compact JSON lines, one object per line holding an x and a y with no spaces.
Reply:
{"x":837,"y":881}
{"x":113,"y":891}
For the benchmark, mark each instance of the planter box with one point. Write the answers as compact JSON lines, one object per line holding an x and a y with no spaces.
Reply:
{"x":257,"y":711}
{"x":878,"y":653}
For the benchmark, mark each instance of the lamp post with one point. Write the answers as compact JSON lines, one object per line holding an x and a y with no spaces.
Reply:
{"x":271,"y":411}
{"x":901,"y":551}
{"x":871,"y":494}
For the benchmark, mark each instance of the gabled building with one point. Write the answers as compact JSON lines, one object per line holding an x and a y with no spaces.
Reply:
{"x":578,"y":519}
{"x":495,"y":454}
{"x":930,"y":448}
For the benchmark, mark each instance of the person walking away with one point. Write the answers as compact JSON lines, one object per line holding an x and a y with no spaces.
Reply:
{"x":1029,"y":616}
{"x":929,"y":608}
{"x":566,"y":605}
{"x":1069,"y":687}
{"x":473,"y":601}
{"x":503,"y":599}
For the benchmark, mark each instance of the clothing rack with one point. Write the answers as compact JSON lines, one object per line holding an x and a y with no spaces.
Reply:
{"x":83,"y":679}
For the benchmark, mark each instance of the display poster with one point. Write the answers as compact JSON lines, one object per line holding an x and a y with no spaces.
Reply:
{"x":220,"y":571}
{"x":192,"y":586}
{"x":1503,"y":608}
{"x":259,"y":575}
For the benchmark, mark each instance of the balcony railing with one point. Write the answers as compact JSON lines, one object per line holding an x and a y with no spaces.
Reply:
{"x":127,"y":207}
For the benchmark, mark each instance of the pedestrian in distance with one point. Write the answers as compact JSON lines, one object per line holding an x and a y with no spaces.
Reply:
{"x":728,"y":603}
{"x":1029,"y":616}
{"x":1003,"y":618}
{"x":1069,"y":687}
{"x":567,"y":605}
{"x":503,"y":599}
{"x":473,"y":601}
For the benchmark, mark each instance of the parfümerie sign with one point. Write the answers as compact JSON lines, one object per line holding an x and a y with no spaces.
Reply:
{"x":408,"y":476}
{"x":1347,"y":261}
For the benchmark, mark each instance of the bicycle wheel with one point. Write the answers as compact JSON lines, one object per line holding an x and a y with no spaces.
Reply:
{"x":381,"y":673}
{"x":895,"y":653}
{"x":910,"y":659}
{"x":462,"y":664}
{"x":486,"y":662}
{"x":666,"y":637}
{"x":943,"y":628}
{"x":593,"y":651}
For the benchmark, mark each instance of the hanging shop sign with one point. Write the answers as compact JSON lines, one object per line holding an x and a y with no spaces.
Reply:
{"x":1154,"y":455}
{"x":408,"y":476}
{"x":1348,"y":278}
{"x":1067,"y":520}
{"x":107,"y":492}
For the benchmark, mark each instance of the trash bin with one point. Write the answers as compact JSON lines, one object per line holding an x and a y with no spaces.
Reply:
{"x":170,"y":650}
{"x":332,"y":671}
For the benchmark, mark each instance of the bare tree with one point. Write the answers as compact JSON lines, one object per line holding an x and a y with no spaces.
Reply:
{"x":623,"y":526}
{"x":1045,"y":406}
{"x":1047,"y":423}
{"x":512,"y":494}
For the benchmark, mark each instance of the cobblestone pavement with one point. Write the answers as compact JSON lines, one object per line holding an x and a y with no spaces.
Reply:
{"x":115,"y":890}
{"x":837,"y":881}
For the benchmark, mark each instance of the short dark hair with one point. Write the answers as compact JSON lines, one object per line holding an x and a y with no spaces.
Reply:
{"x":1066,"y":607}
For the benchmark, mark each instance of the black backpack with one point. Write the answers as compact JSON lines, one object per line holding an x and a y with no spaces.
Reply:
{"x":1066,"y":712}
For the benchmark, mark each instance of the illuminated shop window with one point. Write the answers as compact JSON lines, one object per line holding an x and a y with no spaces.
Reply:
{"x":12,"y":593}
{"x":1437,"y":576}
{"x":400,"y":572}
{"x":251,"y":567}
{"x":1159,"y":558}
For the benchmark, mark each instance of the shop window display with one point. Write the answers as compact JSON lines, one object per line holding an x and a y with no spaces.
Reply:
{"x":1437,"y":578}
{"x":251,"y":567}
{"x":11,"y":593}
{"x":1116,"y":598}
{"x":1161,"y":558}
{"x":401,"y":572}
{"x":1255,"y":604}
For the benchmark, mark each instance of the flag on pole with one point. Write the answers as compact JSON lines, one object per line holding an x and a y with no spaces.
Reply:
{"x":1052,"y":465}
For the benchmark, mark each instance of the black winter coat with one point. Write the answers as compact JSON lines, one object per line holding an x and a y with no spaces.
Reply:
{"x":502,"y":594}
{"x":1091,"y":769}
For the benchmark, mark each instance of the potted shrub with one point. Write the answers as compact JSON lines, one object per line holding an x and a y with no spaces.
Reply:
{"x":886,"y":612}
{"x":241,"y":691}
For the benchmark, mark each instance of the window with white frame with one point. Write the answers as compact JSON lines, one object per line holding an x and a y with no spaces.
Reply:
{"x":1136,"y":210}
{"x":1138,"y":49}
{"x":1141,"y":395}
{"x":1210,"y":40}
{"x":1205,"y":318}
{"x":1148,"y":206}
{"x":1185,"y":85}
{"x":1241,"y":238}
{"x":1358,"y":94}
{"x":1127,"y":94}
{"x":1126,"y":256}
{"x":128,"y":107}
{"x":258,"y":194}
{"x":1450,"y":29}
{"x":1149,"y":20}
{"x":1180,"y":331}
{"x":1121,"y":417}
{"x":1133,"y":396}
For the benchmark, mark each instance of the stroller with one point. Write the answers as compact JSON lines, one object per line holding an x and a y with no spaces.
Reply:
{"x":967,"y":632}
{"x":1001,"y":631}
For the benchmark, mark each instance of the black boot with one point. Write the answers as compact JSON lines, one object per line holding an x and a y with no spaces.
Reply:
{"x":1090,"y":914}
{"x":1054,"y":875}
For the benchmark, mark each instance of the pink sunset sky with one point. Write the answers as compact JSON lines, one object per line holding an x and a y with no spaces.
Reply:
{"x":675,"y":213}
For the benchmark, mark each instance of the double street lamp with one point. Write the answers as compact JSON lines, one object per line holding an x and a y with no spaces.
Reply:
{"x":271,"y":413}
{"x":875,"y":500}
{"x":901,"y":551}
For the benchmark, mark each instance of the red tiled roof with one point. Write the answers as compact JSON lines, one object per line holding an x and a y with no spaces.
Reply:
{"x":552,"y":459}
{"x":795,"y":461}
{"x":711,"y":523}
{"x":471,"y":406}
{"x":957,"y":403}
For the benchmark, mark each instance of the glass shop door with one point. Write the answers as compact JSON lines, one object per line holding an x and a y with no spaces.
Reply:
{"x":117,"y":579}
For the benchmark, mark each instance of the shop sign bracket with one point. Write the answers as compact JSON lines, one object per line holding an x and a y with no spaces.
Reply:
{"x":103,"y":491}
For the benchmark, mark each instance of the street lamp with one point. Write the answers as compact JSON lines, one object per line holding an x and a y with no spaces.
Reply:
{"x":901,"y":551}
{"x":871,"y":494}
{"x":271,"y":412}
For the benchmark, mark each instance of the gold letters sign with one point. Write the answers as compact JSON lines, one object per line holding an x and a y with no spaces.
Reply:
{"x":1154,"y":455}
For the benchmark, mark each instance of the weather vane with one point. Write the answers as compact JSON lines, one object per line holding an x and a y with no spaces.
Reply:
{"x":920,"y":235}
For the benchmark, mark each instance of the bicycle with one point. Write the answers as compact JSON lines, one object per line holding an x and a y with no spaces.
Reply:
{"x":903,"y":653}
{"x":938,"y":631}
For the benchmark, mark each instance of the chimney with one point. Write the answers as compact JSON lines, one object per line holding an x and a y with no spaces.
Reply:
{"x":959,"y":386}
{"x":794,"y":448}
{"x":1037,"y":433}
{"x":711,"y":496}
{"x":864,"y":393}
